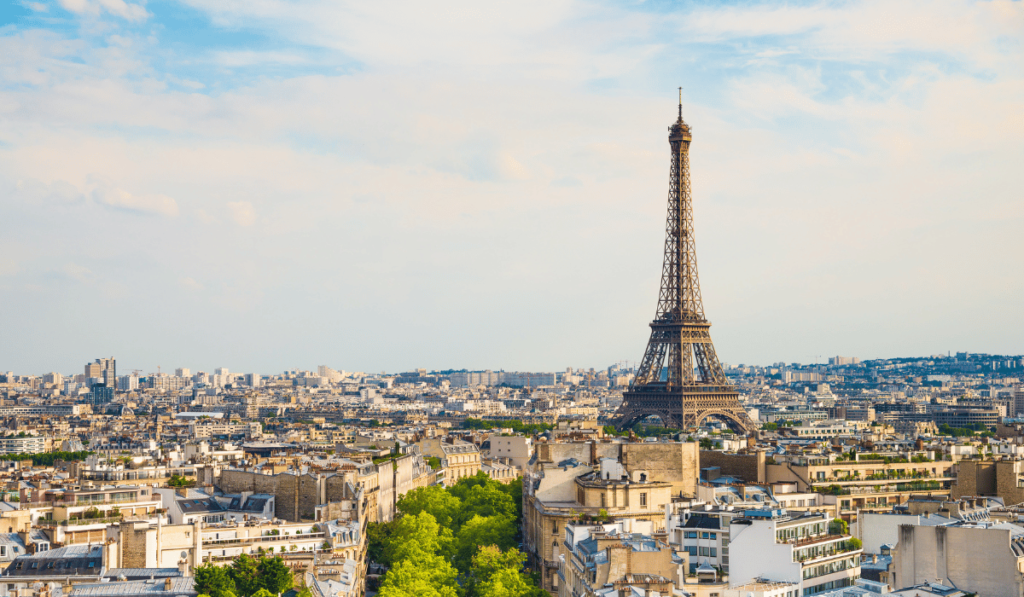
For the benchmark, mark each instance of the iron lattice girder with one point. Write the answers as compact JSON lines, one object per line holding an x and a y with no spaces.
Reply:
{"x":695,"y":384}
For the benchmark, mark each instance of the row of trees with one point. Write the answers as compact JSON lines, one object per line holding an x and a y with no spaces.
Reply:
{"x":48,"y":458}
{"x":456,"y":542}
{"x":641,"y":431}
{"x":516,"y":425}
{"x":262,"y":576}
{"x":969,"y":431}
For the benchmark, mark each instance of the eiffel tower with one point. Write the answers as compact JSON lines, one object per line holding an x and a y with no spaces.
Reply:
{"x":680,"y":378}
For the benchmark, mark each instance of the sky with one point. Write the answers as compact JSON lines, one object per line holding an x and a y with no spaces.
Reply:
{"x":380,"y":186}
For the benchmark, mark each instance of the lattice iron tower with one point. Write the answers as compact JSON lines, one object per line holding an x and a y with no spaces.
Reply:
{"x":680,"y":378}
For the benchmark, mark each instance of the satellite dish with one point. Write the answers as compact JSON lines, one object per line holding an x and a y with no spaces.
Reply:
{"x":184,"y":555}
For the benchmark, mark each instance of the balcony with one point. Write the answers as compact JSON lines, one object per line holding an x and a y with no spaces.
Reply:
{"x":816,"y":539}
{"x":262,"y":539}
{"x":845,"y":545}
{"x":51,"y":523}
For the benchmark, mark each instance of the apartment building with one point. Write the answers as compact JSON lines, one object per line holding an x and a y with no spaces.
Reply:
{"x":806,"y":549}
{"x":866,"y":483}
{"x":597,"y":556}
{"x":223,"y":542}
{"x":22,"y":444}
{"x":512,"y":449}
{"x":999,"y":478}
{"x":572,"y":480}
{"x":44,"y":410}
{"x":985,"y":558}
{"x":459,"y":459}
{"x":226,"y":430}
{"x":81,"y":515}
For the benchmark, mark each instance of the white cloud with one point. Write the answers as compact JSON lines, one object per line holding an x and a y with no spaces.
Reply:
{"x":190,"y":283}
{"x":79,"y":273}
{"x":245,"y":58}
{"x":36,"y":6}
{"x":242,"y":213}
{"x":154,"y":204}
{"x":118,"y":8}
{"x":8,"y":265}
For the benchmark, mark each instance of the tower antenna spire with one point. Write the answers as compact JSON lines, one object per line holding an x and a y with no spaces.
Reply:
{"x":680,"y":103}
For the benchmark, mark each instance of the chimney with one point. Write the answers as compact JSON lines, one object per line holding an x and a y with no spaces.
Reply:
{"x":167,"y":585}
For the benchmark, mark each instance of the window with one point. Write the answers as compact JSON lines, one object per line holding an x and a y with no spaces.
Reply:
{"x":691,"y":534}
{"x":703,"y":551}
{"x":554,"y":527}
{"x":714,"y":552}
{"x":704,"y":535}
{"x":692,"y":550}
{"x":714,"y":535}
{"x":643,"y":500}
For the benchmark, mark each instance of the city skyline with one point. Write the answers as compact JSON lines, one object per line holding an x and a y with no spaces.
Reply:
{"x":190,"y":370}
{"x":265,"y":183}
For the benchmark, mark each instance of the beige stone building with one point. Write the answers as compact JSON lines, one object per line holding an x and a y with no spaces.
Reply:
{"x":621,"y":552}
{"x":621,"y":480}
{"x":997,"y":478}
{"x":459,"y":459}
{"x":981,"y":557}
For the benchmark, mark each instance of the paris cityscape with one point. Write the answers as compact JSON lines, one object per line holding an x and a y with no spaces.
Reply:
{"x":415,"y":347}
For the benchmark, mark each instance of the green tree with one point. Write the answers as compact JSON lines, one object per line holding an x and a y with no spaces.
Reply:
{"x":480,"y":531}
{"x":423,"y":575}
{"x":244,"y":572}
{"x":415,"y":535}
{"x":275,"y":576}
{"x":464,"y":485}
{"x":213,"y":581}
{"x":441,"y":504}
{"x":514,"y":489}
{"x":487,"y":500}
{"x":495,"y":573}
{"x":839,"y":527}
{"x":378,"y":536}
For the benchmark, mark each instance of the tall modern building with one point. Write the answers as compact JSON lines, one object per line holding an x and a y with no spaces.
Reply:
{"x":101,"y":394}
{"x":680,"y":378}
{"x":103,"y":369}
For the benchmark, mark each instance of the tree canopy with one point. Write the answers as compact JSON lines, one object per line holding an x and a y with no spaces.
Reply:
{"x":245,"y":577}
{"x":454,"y":542}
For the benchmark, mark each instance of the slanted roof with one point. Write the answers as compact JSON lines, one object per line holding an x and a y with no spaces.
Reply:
{"x":199,"y":505}
{"x":142,"y":573}
{"x":83,"y":560}
{"x":703,"y":521}
{"x":180,"y":586}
